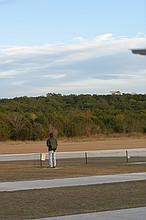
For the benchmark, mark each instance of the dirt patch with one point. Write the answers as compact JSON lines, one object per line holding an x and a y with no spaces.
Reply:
{"x":66,"y":146}
{"x":71,"y":200}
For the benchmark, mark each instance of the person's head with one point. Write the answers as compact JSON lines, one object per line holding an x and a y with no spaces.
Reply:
{"x":51,"y":134}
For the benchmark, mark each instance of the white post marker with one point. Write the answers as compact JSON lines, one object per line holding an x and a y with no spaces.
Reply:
{"x":127,"y":156}
{"x":42,"y":158}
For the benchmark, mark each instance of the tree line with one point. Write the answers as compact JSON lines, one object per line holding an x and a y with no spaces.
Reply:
{"x":31,"y":118}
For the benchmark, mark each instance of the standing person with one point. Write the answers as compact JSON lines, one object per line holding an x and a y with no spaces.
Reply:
{"x":52,"y":146}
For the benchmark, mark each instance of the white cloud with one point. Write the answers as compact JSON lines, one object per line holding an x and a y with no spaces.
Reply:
{"x":83,"y":65}
{"x":18,"y":83}
{"x":8,"y":74}
{"x":105,"y":37}
{"x":55,"y":75}
{"x":99,"y":45}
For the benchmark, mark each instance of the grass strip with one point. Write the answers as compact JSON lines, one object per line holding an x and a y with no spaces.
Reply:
{"x":71,"y":200}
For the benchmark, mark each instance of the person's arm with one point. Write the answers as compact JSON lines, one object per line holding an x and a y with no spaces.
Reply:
{"x":48,"y":143}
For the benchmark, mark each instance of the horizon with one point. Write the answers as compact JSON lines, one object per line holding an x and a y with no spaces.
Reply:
{"x":73,"y":94}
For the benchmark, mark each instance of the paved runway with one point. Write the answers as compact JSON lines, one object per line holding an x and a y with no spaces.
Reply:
{"x":137,"y":152}
{"x":64,"y":182}
{"x":123,"y":214}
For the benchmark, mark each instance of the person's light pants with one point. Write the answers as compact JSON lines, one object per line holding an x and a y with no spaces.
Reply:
{"x":52,"y":158}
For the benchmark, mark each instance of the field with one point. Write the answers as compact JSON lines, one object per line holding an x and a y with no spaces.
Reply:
{"x":70,"y":200}
{"x":102,"y":143}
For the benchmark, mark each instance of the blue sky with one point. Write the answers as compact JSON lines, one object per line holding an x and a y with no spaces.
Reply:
{"x":71,"y":47}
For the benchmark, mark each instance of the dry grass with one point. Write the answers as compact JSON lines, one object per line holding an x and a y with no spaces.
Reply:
{"x":71,"y":200}
{"x":96,"y":143}
{"x":31,"y":170}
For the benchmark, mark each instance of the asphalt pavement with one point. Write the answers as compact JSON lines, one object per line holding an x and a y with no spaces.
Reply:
{"x":64,"y":182}
{"x":123,"y":214}
{"x":137,"y":152}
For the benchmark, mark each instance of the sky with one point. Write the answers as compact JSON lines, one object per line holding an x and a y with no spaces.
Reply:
{"x":71,"y":47}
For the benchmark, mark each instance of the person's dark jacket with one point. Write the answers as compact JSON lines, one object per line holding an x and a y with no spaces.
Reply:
{"x":52,"y":144}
